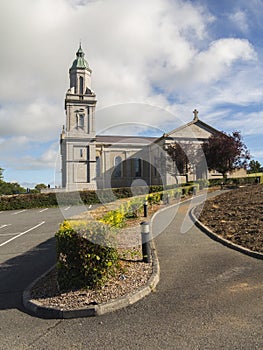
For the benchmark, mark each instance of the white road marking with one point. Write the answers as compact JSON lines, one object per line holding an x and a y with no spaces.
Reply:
{"x":22,"y":233}
{"x":41,"y":211}
{"x":67,"y":208}
{"x":18,"y":212}
{"x":8,"y":234}
{"x":2,"y":226}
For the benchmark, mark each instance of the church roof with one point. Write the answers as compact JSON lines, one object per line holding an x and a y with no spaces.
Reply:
{"x":80,"y":62}
{"x":196,"y":129}
{"x":110,"y":139}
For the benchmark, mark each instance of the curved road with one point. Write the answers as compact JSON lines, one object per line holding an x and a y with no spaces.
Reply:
{"x":209,"y":297}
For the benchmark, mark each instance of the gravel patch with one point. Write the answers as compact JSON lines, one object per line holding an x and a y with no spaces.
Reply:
{"x":132,"y":275}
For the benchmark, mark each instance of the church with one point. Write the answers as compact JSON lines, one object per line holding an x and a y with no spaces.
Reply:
{"x":91,"y":161}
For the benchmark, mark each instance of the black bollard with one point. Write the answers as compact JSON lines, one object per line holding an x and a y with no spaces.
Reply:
{"x":145,"y":209}
{"x":146,"y":249}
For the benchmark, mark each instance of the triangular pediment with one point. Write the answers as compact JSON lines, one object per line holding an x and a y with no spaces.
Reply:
{"x":196,"y":129}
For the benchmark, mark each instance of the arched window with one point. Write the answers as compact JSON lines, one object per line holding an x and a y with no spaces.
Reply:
{"x":118,"y":166}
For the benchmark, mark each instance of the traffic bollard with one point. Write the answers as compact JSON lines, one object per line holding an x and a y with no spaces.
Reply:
{"x":145,"y":209}
{"x":146,"y":249}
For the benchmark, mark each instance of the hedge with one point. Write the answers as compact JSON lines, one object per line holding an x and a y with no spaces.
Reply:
{"x":39,"y":200}
{"x":85,"y":257}
{"x":234,"y":181}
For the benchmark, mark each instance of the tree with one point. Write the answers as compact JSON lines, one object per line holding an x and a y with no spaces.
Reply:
{"x":254,"y":167}
{"x":225,"y":153}
{"x":11,"y":188}
{"x":183,"y":156}
{"x":179,"y":157}
{"x":39,"y":187}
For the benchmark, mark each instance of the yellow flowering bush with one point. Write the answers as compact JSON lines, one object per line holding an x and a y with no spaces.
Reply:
{"x":86,"y":256}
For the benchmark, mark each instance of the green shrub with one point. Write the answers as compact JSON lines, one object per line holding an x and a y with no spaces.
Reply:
{"x":38,"y":200}
{"x":186,"y":190}
{"x":130,"y":209}
{"x":85,"y":255}
{"x":230,"y":181}
{"x":178,"y":193}
{"x":133,"y":208}
{"x":154,"y":198}
{"x":114,"y":218}
{"x":203,"y":183}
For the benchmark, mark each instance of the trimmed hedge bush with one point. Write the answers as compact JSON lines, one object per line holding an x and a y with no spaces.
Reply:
{"x":233,"y":181}
{"x":85,"y":257}
{"x":38,"y":200}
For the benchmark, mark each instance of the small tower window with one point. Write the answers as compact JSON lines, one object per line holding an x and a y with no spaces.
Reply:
{"x":81,"y":121}
{"x":81,"y":153}
{"x":81,"y":85}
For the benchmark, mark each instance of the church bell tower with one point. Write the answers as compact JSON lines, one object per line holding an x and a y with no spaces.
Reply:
{"x":78,"y":149}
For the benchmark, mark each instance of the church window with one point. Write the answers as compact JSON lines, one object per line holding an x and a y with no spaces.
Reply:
{"x":81,"y":121}
{"x":138,"y":167}
{"x":81,"y":85}
{"x":155,"y":166}
{"x":117,"y":166}
{"x":97,"y":166}
{"x":81,"y":153}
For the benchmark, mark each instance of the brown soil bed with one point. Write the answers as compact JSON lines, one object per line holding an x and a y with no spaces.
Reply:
{"x":236,"y":215}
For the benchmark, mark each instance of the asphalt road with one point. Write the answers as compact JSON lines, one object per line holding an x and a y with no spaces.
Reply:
{"x":209,"y":297}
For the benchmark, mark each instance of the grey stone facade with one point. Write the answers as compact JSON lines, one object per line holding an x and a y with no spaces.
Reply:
{"x":91,"y":161}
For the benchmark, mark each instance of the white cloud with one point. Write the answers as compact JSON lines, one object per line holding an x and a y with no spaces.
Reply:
{"x":239,"y":18}
{"x":212,"y":64}
{"x":155,"y":52}
{"x":20,"y":153}
{"x":39,"y":120}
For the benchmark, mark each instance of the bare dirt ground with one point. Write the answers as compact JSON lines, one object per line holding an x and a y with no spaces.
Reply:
{"x":237,"y":215}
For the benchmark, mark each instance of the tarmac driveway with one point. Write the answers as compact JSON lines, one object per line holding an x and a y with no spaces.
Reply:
{"x":209,"y":297}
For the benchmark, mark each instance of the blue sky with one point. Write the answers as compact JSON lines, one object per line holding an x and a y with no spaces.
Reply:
{"x":153,"y":63}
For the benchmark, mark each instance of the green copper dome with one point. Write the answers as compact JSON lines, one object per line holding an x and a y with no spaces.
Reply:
{"x":80,"y":62}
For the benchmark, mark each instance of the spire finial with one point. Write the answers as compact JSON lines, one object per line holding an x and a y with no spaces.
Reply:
{"x":195,"y":114}
{"x":80,"y":52}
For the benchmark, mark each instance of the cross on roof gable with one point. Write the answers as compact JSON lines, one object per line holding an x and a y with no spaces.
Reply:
{"x":196,"y":129}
